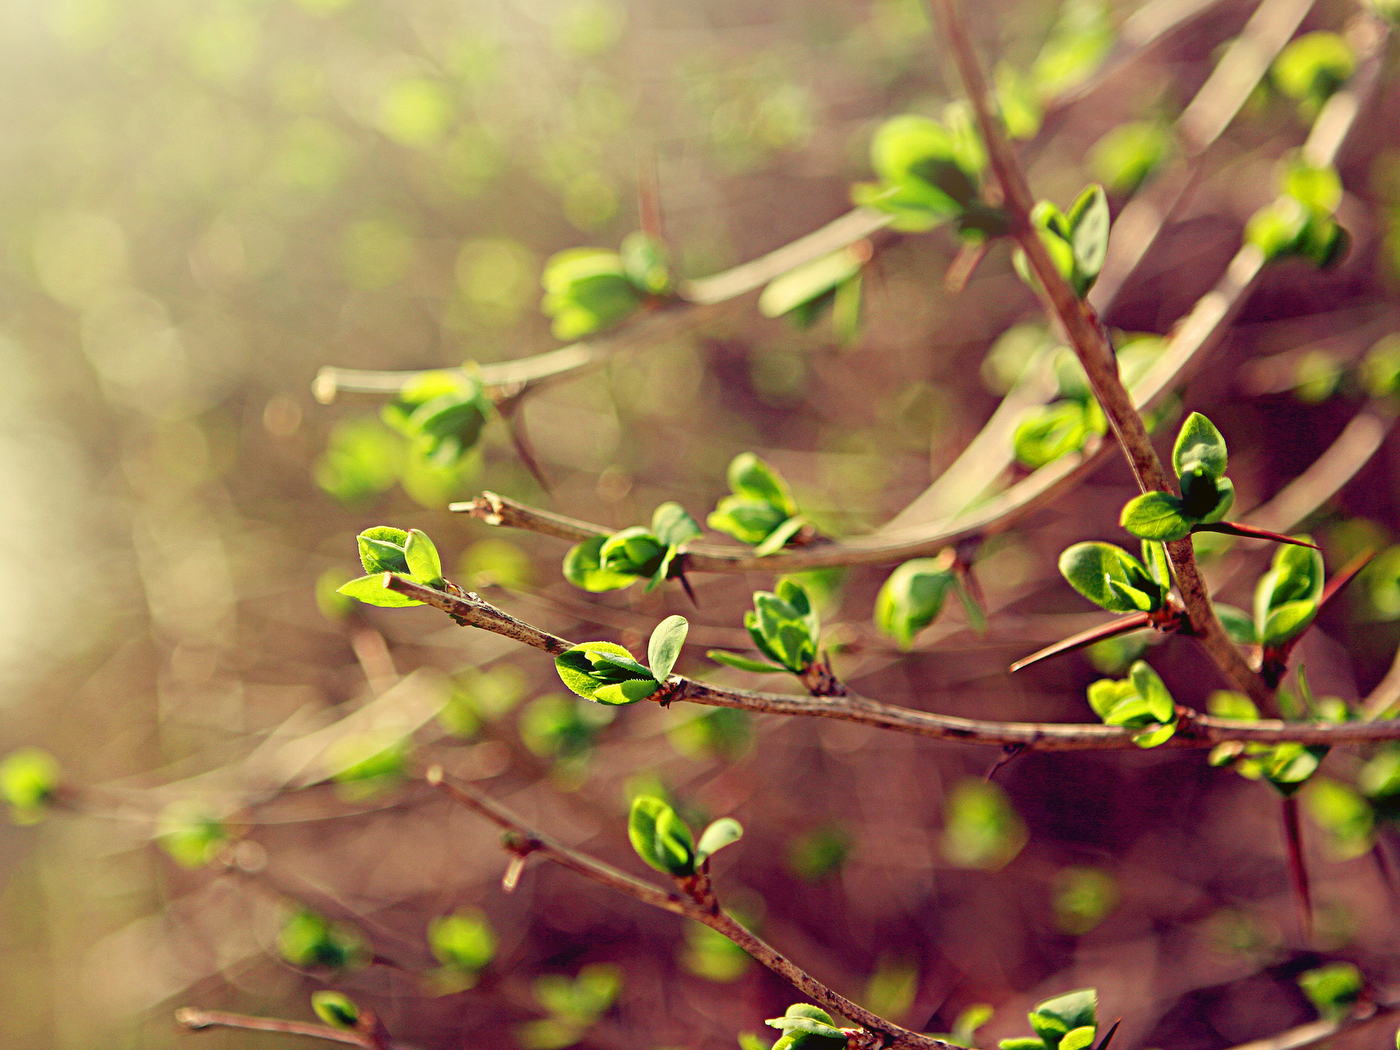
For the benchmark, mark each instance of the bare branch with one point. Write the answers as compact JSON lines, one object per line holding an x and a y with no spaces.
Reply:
{"x":198,"y":1020}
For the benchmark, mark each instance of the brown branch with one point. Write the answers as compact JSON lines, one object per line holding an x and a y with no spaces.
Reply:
{"x":1317,"y":1031}
{"x":526,"y":839}
{"x":372,"y":1039}
{"x":1194,"y":731}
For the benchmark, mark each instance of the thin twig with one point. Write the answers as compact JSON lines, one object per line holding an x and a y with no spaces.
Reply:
{"x":1194,"y":731}
{"x":197,"y":1020}
{"x":1317,"y":1031}
{"x":526,"y":839}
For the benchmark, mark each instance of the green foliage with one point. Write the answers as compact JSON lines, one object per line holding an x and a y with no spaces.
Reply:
{"x":1380,"y":368}
{"x":573,"y":1006}
{"x":362,"y":460}
{"x":807,"y":290}
{"x":718,"y":732}
{"x":442,"y":415}
{"x":1067,"y":1022}
{"x":1343,"y":814}
{"x":1139,"y":701}
{"x":1124,"y":157}
{"x":1379,"y":781}
{"x":664,"y":841}
{"x":1050,"y":431}
{"x":1332,"y":989}
{"x":587,"y":289}
{"x":463,"y":942}
{"x":190,"y":833}
{"x":563,"y":728}
{"x":761,"y":511}
{"x":1199,"y":459}
{"x":1300,"y":220}
{"x":308,"y":939}
{"x":335,"y":1009}
{"x":891,"y":989}
{"x":1286,"y":767}
{"x":1079,"y":41}
{"x":609,"y":563}
{"x":980,"y":827}
{"x":606,"y":673}
{"x":912,"y":597}
{"x":1112,"y":578}
{"x":807,"y":1027}
{"x":965,"y":1025}
{"x":784,"y":627}
{"x":814,"y":854}
{"x":1312,"y":67}
{"x":386,"y":549}
{"x":1287,"y":597}
{"x":29,"y":779}
{"x":1082,"y":898}
{"x":1077,"y":241}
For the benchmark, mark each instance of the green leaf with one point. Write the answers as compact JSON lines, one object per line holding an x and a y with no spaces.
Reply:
{"x":1079,"y":1038}
{"x":191,"y":833}
{"x":1199,"y":446}
{"x":424,"y":565}
{"x":1077,"y":1009}
{"x":1106,"y":695}
{"x":911,"y":598}
{"x":1081,"y":38}
{"x":1110,"y":577}
{"x":1048,"y":432}
{"x":747,"y":519}
{"x":1159,"y":566}
{"x":1332,"y":989}
{"x":807,"y":1027}
{"x":724,"y":832}
{"x":1277,"y":228}
{"x":673,"y":526}
{"x":1317,"y":189}
{"x":606,"y":673}
{"x":744,"y":663}
{"x":921,"y":158}
{"x":371,"y":591}
{"x":1287,"y":596}
{"x":309,"y":939}
{"x":463,"y":941}
{"x":1125,"y":156}
{"x":1156,"y":516}
{"x":583,"y":567}
{"x":1313,"y":66}
{"x":1022,"y":1042}
{"x":665,"y":645}
{"x":809,"y":282}
{"x":1155,"y":737}
{"x":382,"y":550}
{"x":981,"y":829}
{"x":635,"y":550}
{"x":781,"y":632}
{"x":644,"y":260}
{"x":1150,"y":687}
{"x":335,"y":1009}
{"x":1238,"y":624}
{"x":587,"y":289}
{"x":660,"y":837}
{"x":1089,"y":226}
{"x":777,"y":539}
{"x":29,"y":778}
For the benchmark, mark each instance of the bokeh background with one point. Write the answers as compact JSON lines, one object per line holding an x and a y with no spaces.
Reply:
{"x":203,"y":203}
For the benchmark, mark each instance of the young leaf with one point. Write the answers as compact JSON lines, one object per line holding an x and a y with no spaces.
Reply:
{"x":424,"y":565}
{"x":335,"y":1009}
{"x":1156,"y":516}
{"x":777,"y":539}
{"x":1237,"y":623}
{"x":583,"y":567}
{"x":634,"y":550}
{"x":371,"y":591}
{"x":751,"y":477}
{"x":744,"y":663}
{"x":673,"y":526}
{"x":605,"y":673}
{"x":747,"y":519}
{"x":810,"y":281}
{"x":382,"y":550}
{"x":463,"y":941}
{"x":665,"y":646}
{"x":660,"y":837}
{"x":1089,"y":225}
{"x":724,"y":832}
{"x":1110,"y":577}
{"x":912,"y":597}
{"x":1199,"y":446}
{"x":29,"y":778}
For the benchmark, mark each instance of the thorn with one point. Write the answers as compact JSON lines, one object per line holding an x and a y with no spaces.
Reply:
{"x":1297,"y":866}
{"x":511,"y":878}
{"x":1103,"y":1044}
{"x":1008,"y":752}
{"x":1344,"y":576}
{"x":1234,"y":528}
{"x":961,"y":268}
{"x":515,"y":424}
{"x":1385,"y":869}
{"x":1122,"y":625}
{"x":685,"y":584}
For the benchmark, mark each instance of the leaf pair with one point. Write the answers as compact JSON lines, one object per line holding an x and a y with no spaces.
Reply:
{"x":1199,"y":459}
{"x":805,"y":292}
{"x":1286,"y":600}
{"x":1285,"y":766}
{"x":442,"y":414}
{"x":807,"y":1027}
{"x":1067,"y":1022}
{"x":606,"y":673}
{"x":784,"y":627}
{"x":1112,"y":578}
{"x":913,"y":595}
{"x":609,"y":563}
{"x":1140,"y":701}
{"x":930,"y":173}
{"x":1300,"y":220}
{"x":761,"y":512}
{"x":573,"y":1005}
{"x":664,"y":841}
{"x":587,"y":289}
{"x":386,"y":549}
{"x":1077,"y":241}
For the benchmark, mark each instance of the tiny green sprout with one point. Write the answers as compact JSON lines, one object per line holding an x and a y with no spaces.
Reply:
{"x":761,"y":512}
{"x":807,"y":1027}
{"x":784,"y":626}
{"x":664,"y":841}
{"x":913,"y":595}
{"x":404,"y":553}
{"x":335,"y":1009}
{"x":442,"y":414}
{"x":29,"y":779}
{"x":462,"y":941}
{"x":1199,"y":459}
{"x":1300,"y":220}
{"x":609,"y":563}
{"x":1140,"y":701}
{"x":1332,"y":989}
{"x":309,"y":939}
{"x":1288,"y":596}
{"x":1077,"y":241}
{"x":1067,"y":1022}
{"x":587,"y":289}
{"x":1113,"y":579}
{"x":606,"y":673}
{"x":929,"y":174}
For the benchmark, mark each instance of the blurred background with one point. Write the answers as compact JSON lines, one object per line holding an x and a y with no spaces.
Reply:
{"x":201,"y":204}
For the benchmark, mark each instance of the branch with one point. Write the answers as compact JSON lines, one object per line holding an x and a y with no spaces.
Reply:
{"x":374,"y":1038}
{"x":526,"y":840}
{"x":1194,"y":730}
{"x":1317,"y":1031}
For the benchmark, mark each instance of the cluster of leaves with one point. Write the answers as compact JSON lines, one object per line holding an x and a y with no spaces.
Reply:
{"x":1199,"y":459}
{"x":1286,"y":600}
{"x":464,"y":944}
{"x":308,"y":939}
{"x":29,"y":780}
{"x":1112,"y":578}
{"x":610,"y":563}
{"x":1299,"y":221}
{"x":441,"y":414}
{"x":785,"y":628}
{"x":587,"y":289}
{"x":1077,"y":241}
{"x":1066,"y":1022}
{"x":804,"y":1027}
{"x":1140,"y":701}
{"x":1312,"y":67}
{"x":832,"y":281}
{"x":930,"y":173}
{"x":1334,"y":989}
{"x":404,"y":553}
{"x":664,"y":841}
{"x":912,"y":597}
{"x":573,"y":1005}
{"x":1287,"y":766}
{"x":606,"y":673}
{"x":760,"y":510}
